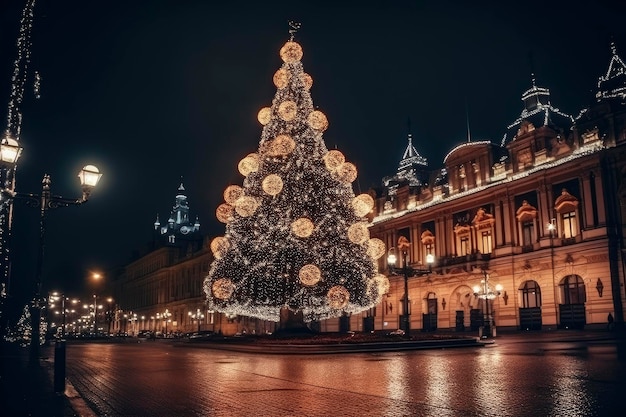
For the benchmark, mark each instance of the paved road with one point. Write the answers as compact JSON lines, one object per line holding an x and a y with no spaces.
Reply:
{"x":509,"y":378}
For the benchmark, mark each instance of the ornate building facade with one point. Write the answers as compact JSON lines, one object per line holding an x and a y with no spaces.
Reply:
{"x":542,"y":215}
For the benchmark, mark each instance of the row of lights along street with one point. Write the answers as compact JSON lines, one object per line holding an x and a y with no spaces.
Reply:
{"x":89,"y":176}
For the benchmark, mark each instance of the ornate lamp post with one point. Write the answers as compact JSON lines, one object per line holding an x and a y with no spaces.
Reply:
{"x":198,"y":316}
{"x":166,"y":317}
{"x":406,"y":271}
{"x":89,"y":177}
{"x":486,"y":293}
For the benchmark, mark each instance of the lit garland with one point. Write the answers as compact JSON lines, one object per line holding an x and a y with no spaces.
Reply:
{"x":295,"y":233}
{"x":20,"y":71}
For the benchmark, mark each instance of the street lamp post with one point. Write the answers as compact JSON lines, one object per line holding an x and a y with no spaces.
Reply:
{"x":407,"y":271}
{"x":166,"y":317}
{"x":486,"y":293}
{"x":89,"y":177}
{"x":198,"y":316}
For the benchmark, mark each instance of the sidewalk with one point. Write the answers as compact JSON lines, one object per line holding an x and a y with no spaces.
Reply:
{"x":28,"y":389}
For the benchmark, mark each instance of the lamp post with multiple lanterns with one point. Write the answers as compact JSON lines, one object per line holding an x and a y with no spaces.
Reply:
{"x":487,"y":294}
{"x":198,"y":316}
{"x":89,"y":176}
{"x":407,"y":271}
{"x":166,"y":317}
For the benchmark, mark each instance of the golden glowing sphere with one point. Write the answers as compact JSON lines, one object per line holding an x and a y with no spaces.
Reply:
{"x":362,"y":204}
{"x":333,"y":159}
{"x":310,"y":275}
{"x":219,"y":246}
{"x":307,"y":80}
{"x":224,"y":212}
{"x":358,"y":233}
{"x":232,"y":193}
{"x":375,"y":248}
{"x":281,"y":78}
{"x":265,"y":115}
{"x":291,"y":52}
{"x":317,"y":120}
{"x":382,"y":282}
{"x":245,"y":206}
{"x":223,"y":288}
{"x":302,"y":227}
{"x":282,"y":145}
{"x":346,"y":172}
{"x":272,"y":184}
{"x":249,"y":164}
{"x":287,"y":110}
{"x":338,"y":297}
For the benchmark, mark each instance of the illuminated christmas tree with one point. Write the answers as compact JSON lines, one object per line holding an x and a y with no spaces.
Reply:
{"x":296,"y":236}
{"x":23,"y":329}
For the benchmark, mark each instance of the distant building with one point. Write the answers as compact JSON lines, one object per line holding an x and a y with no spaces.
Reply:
{"x":158,"y":290}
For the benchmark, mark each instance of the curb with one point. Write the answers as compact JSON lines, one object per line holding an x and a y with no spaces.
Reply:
{"x":298,"y":349}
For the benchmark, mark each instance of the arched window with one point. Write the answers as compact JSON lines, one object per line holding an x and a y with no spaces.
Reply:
{"x":531,"y":294}
{"x":573,"y":290}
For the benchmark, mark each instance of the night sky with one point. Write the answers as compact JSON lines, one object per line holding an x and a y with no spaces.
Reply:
{"x":150,"y":91}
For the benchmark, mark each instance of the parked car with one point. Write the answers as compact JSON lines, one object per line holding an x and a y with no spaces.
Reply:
{"x":202,"y":335}
{"x":144,"y":334}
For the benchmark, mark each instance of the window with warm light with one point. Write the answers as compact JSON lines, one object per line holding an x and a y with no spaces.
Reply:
{"x":573,"y":290}
{"x":531,"y":294}
{"x":486,"y":241}
{"x":570,"y":228}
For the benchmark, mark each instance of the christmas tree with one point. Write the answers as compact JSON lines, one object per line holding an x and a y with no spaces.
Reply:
{"x":296,"y":235}
{"x":22,"y":332}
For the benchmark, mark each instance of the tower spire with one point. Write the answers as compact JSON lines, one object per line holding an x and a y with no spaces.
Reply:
{"x":469,"y":136}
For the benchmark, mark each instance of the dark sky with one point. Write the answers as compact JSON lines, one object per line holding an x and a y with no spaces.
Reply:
{"x":152,"y":90}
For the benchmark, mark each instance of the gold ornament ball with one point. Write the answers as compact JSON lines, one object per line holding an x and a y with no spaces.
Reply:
{"x":291,"y":52}
{"x":245,"y":206}
{"x":265,"y":115}
{"x":223,"y":288}
{"x":224,"y":212}
{"x":317,"y":120}
{"x":281,"y":78}
{"x":358,"y":233}
{"x":272,"y":184}
{"x":310,"y":275}
{"x":287,"y":110}
{"x":302,"y":227}
{"x":333,"y":159}
{"x":232,"y":193}
{"x":249,"y":164}
{"x":346,"y":172}
{"x":282,"y":145}
{"x":307,"y":80}
{"x":219,"y":246}
{"x":338,"y":297}
{"x":362,"y":204}
{"x":382,"y":282}
{"x":375,"y":248}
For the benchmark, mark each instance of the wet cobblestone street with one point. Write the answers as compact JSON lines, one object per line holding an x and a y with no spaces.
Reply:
{"x":508,"y":378}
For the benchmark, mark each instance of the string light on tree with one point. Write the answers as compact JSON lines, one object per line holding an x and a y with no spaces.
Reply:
{"x":297,"y":238}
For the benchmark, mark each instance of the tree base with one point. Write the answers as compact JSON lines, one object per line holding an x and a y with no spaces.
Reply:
{"x":292,"y":325}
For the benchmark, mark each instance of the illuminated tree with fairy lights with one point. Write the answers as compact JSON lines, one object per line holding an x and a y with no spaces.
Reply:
{"x":296,"y":236}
